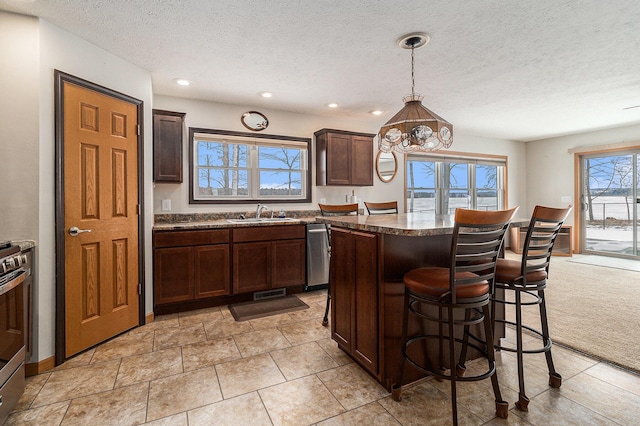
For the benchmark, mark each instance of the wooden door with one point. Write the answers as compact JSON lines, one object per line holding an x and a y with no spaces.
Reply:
{"x":338,"y":159}
{"x":289,"y":263}
{"x":341,"y":287}
{"x":252,"y":266}
{"x":361,"y":160}
{"x":365,"y":315}
{"x":100,"y":184}
{"x":212,"y":271}
{"x":173,"y":274}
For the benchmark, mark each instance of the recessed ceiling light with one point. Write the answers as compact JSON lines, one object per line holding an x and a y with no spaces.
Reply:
{"x":182,"y":82}
{"x":375,"y":112}
{"x":332,"y":105}
{"x":266,"y":94}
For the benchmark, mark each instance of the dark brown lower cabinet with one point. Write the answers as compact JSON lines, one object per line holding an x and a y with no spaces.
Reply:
{"x":189,"y":265}
{"x":268,"y":257}
{"x":354,"y":295}
{"x":194,"y":267}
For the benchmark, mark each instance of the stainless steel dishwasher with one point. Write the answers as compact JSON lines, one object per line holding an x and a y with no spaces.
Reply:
{"x":317,"y":257}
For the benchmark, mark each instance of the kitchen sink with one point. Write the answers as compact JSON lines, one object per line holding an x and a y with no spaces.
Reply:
{"x":262,"y":220}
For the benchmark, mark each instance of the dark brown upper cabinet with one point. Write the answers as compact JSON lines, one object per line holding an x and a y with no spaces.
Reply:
{"x":167,"y":146}
{"x":344,"y":158}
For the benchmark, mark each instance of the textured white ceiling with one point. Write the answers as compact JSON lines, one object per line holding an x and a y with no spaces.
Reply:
{"x":520,"y":70}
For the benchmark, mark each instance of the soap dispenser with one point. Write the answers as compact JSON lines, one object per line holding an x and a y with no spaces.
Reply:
{"x":281,"y":214}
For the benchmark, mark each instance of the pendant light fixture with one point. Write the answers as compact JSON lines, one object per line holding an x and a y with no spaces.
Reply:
{"x":414,"y":127}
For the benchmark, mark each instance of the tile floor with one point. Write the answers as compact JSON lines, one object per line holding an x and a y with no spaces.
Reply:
{"x":203,"y":368}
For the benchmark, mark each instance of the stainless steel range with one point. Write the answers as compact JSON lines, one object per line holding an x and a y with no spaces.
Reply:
{"x":13,"y":272}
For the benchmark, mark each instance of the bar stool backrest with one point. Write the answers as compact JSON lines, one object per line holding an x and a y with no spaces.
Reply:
{"x":386,"y":207}
{"x":544,"y":227}
{"x":338,"y":209}
{"x":478,"y":236}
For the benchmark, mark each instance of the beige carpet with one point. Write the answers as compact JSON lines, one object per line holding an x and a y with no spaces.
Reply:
{"x":593,"y":309}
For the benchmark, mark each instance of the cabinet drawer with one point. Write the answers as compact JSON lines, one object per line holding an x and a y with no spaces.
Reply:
{"x":190,"y":238}
{"x":268,"y":233}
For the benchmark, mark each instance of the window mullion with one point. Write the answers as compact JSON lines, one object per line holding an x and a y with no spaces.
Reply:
{"x":254,"y":173}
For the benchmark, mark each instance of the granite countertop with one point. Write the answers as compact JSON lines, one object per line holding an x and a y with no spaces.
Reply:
{"x":167,"y":222}
{"x":405,"y":224}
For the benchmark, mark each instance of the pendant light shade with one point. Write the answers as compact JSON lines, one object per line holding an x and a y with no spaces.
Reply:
{"x":414,"y":127}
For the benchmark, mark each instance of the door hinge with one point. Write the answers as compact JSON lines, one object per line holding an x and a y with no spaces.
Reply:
{"x":139,"y":288}
{"x":137,"y":209}
{"x":138,"y":129}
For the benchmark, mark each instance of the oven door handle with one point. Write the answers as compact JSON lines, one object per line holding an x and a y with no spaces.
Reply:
{"x":15,"y":282}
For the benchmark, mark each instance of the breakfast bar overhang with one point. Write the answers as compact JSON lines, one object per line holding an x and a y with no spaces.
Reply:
{"x":369,"y":256}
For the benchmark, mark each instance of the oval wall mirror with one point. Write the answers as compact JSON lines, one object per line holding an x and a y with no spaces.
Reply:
{"x":386,"y":166}
{"x":254,"y":120}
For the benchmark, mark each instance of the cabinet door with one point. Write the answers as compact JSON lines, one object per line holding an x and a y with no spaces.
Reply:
{"x":212,"y":271}
{"x":338,"y":159}
{"x":364,"y":344}
{"x":341,"y":281}
{"x":288,"y":263}
{"x":361,"y":160}
{"x":167,"y":146}
{"x":251,"y":267}
{"x":172,"y":274}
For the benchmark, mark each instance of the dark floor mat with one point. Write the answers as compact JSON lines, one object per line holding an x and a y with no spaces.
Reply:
{"x":263,"y":308}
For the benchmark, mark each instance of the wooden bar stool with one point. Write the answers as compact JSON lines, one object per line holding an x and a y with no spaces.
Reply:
{"x":387,"y":207}
{"x":334,"y":210}
{"x":464,"y":287}
{"x":528,"y":277}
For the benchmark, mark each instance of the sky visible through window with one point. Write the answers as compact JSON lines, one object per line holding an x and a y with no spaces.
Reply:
{"x":224,"y":169}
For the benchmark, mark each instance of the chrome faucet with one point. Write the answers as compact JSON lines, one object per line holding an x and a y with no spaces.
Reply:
{"x":259,"y":210}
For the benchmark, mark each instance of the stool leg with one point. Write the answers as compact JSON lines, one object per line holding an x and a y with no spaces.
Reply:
{"x":523,"y":401}
{"x":325,"y":320}
{"x":396,"y":388}
{"x":502,"y":407}
{"x":493,"y":321}
{"x":452,"y":361}
{"x":460,"y":367}
{"x":555,"y":379}
{"x":441,"y":368}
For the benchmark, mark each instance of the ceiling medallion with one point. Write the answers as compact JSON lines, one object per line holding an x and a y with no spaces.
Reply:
{"x":414,"y":127}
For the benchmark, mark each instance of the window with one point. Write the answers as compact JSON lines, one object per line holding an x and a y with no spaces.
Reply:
{"x":242,"y":167}
{"x":440,"y":184}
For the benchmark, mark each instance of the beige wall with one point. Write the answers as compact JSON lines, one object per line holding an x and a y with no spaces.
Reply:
{"x":19,"y":156}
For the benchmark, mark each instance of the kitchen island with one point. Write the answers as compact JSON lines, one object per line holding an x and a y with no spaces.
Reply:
{"x":369,"y":257}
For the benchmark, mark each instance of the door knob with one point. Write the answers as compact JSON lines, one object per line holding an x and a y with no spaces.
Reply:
{"x":74,"y":230}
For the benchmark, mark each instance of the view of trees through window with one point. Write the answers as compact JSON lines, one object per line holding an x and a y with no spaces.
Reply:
{"x":440,"y":186}
{"x":610,"y":188}
{"x":609,"y":197}
{"x":252,"y":170}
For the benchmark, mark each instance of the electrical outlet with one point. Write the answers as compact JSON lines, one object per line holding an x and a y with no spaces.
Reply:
{"x":166,"y":205}
{"x":566,"y":199}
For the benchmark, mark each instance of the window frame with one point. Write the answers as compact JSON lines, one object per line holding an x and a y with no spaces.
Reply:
{"x":471,"y":161}
{"x":253,"y":140}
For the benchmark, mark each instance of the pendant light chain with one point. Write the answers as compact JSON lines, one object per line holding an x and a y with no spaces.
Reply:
{"x":413,"y":79}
